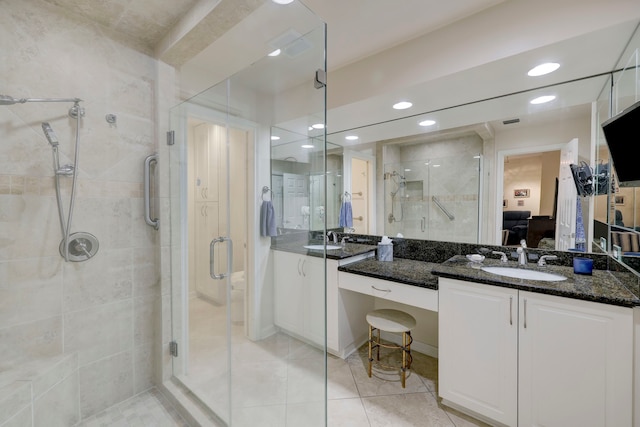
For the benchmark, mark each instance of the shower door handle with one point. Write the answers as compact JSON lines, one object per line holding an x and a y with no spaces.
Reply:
{"x":155,"y":222}
{"x":212,"y":258}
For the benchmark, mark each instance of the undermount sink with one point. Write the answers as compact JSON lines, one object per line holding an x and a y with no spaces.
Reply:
{"x":520,"y":273}
{"x":321,"y":247}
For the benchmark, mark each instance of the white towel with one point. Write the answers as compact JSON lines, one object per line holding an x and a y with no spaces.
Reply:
{"x":267,"y":219}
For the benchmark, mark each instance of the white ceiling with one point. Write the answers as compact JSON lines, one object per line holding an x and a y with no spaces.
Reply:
{"x":361,"y":29}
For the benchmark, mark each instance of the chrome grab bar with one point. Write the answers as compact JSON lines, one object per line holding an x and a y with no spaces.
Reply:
{"x":155,"y":223}
{"x":212,"y":258}
{"x":442,"y":208}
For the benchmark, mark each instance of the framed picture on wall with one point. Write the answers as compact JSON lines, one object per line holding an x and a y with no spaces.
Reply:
{"x":619,"y":200}
{"x":505,"y":203}
{"x":520,"y":193}
{"x":520,"y":202}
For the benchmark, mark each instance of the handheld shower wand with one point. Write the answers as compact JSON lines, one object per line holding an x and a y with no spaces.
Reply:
{"x":50,"y":134}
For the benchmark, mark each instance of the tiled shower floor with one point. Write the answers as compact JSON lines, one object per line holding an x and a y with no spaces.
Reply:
{"x":148,"y":409}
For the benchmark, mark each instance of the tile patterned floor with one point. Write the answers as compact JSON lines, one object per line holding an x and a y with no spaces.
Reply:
{"x":279,"y":382}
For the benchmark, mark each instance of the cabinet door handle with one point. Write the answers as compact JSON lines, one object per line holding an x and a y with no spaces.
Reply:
{"x":299,"y":274}
{"x":304,"y":274}
{"x":525,"y":313}
{"x":381,"y":290}
{"x":511,"y":310}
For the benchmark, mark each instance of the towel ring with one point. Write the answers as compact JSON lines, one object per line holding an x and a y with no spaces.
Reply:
{"x":265,"y":190}
{"x":346,"y":196}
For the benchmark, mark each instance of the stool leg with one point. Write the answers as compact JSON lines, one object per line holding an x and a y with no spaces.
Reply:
{"x":378,"y":347}
{"x":404,"y":359}
{"x":409,"y":341}
{"x":370,"y":352}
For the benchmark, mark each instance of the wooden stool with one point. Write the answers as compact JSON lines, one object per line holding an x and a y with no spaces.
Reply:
{"x":395,"y":321}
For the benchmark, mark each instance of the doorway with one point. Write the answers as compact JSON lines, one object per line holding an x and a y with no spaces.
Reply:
{"x":526,"y":182}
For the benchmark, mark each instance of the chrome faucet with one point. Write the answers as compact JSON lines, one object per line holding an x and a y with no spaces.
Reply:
{"x":543,"y":259}
{"x":522,"y":254}
{"x":333,"y":235}
{"x":503,"y":256}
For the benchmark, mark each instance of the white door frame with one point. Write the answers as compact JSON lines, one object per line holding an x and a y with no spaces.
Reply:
{"x":347,"y":156}
{"x":500,"y":179}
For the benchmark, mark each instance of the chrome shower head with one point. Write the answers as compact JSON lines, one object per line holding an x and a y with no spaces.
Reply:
{"x":50,"y":134}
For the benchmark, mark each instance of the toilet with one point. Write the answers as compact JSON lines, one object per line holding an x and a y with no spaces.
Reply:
{"x":237,"y":297}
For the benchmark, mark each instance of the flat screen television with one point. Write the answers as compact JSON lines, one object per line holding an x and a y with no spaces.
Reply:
{"x":622,"y":133}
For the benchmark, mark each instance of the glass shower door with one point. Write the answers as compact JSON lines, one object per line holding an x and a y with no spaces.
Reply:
{"x":231,"y":356}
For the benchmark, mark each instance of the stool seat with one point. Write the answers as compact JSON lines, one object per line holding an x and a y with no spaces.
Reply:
{"x":390,"y":320}
{"x":394,"y":321}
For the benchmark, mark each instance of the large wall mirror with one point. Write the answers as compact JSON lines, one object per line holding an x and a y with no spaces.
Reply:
{"x":297,"y":180}
{"x":468,"y":172}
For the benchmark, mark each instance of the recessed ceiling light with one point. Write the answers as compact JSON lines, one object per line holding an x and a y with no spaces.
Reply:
{"x":407,"y":170}
{"x":351,"y":137}
{"x":275,"y":137}
{"x":402,"y":105}
{"x":542,"y":69}
{"x":427,"y":123}
{"x":436,"y":166}
{"x":318,"y":126}
{"x":307,"y":146}
{"x":477,"y":157}
{"x":543,"y":99}
{"x":275,"y":52}
{"x":282,"y":1}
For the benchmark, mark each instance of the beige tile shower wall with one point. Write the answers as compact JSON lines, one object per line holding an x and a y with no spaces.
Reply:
{"x":104,"y":309}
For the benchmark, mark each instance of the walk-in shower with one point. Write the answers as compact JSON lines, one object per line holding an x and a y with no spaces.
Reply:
{"x":78,"y":246}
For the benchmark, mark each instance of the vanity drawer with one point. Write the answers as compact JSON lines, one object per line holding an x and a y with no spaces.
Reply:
{"x":399,"y":292}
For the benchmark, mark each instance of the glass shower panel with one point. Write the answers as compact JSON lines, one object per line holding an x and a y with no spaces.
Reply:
{"x":231,"y":356}
{"x":434,"y":199}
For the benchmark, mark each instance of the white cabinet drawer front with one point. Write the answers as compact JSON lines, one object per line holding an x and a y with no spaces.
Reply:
{"x":393,"y":291}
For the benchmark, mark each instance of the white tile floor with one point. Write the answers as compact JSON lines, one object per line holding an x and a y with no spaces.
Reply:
{"x":280,"y":382}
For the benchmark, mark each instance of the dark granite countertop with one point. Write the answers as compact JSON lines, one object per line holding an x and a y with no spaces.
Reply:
{"x":601,"y":287}
{"x":349,"y":249}
{"x":407,"y":271}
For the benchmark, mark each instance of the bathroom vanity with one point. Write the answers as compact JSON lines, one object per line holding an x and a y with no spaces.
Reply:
{"x":503,"y":342}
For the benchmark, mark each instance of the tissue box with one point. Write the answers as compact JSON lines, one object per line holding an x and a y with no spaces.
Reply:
{"x":385,"y":252}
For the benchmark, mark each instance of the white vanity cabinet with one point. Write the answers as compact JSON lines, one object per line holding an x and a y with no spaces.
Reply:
{"x":478,"y":348}
{"x":582,"y":352}
{"x":300,"y":295}
{"x":530,"y":359}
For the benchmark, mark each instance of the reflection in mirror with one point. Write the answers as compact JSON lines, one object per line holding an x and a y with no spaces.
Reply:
{"x":471,"y":142}
{"x":621,"y":203}
{"x":434,"y":198}
{"x":297,"y":181}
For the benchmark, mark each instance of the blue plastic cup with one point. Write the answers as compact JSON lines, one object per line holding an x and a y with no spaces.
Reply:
{"x":582,"y":265}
